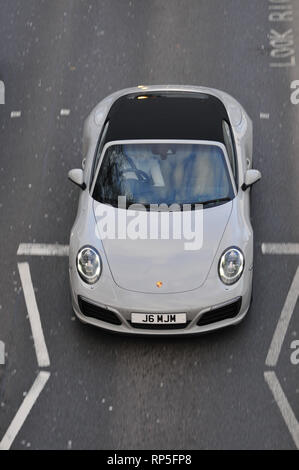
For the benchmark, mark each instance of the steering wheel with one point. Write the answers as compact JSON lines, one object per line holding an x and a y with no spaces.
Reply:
{"x":141,"y":175}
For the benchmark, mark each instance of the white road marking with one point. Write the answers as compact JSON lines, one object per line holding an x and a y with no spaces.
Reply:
{"x":34,"y":317}
{"x":24,"y":410}
{"x":2,"y":353}
{"x":65,"y":112}
{"x":279,"y":336}
{"x":41,"y":354}
{"x":280,"y":248}
{"x":283,"y":322}
{"x":264,"y":115}
{"x":282,"y":44}
{"x":2,"y":92}
{"x":42,"y":249}
{"x":284,"y":406}
{"x":15,"y":114}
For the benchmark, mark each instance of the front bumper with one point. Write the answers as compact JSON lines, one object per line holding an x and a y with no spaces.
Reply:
{"x":195,"y":304}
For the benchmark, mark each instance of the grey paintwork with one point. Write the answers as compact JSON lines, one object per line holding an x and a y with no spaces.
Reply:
{"x":124,"y":292}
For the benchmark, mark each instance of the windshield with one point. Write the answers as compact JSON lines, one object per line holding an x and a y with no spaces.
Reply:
{"x":169,"y":173}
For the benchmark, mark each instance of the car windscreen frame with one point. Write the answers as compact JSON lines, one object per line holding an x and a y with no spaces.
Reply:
{"x":164,"y":141}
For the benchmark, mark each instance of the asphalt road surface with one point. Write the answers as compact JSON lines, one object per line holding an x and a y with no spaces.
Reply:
{"x":106,"y":391}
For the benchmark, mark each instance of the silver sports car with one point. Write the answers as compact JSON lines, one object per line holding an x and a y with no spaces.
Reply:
{"x":162,"y":242}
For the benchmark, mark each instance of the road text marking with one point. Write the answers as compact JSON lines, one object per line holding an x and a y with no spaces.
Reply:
{"x":24,"y":410}
{"x":281,"y":37}
{"x":34,"y":317}
{"x":295,"y":94}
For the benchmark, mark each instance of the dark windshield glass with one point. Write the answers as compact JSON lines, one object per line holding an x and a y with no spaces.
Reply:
{"x":167,"y":173}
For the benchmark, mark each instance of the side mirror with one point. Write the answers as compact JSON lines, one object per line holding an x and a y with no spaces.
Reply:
{"x":251,"y":177}
{"x":76,"y":176}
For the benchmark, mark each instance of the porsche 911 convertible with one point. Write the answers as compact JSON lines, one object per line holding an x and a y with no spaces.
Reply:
{"x":180,"y":154}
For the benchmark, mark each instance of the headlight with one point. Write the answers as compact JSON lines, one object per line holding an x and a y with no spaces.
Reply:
{"x":89,"y":264}
{"x":231,"y":265}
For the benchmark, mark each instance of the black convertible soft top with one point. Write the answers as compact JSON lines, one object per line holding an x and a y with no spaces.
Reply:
{"x":166,"y":115}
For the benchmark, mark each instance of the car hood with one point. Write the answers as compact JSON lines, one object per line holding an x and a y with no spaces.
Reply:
{"x":137,"y":265}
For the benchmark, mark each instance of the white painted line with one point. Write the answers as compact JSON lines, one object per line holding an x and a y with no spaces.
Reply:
{"x":15,"y":114}
{"x":280,"y":248}
{"x":65,"y":112}
{"x":284,"y":406}
{"x":283,"y":322}
{"x":24,"y":410}
{"x":34,"y":318}
{"x":42,"y":249}
{"x":264,"y":115}
{"x":2,"y":92}
{"x":2,"y":353}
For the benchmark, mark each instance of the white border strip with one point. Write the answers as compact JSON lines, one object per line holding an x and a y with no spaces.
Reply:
{"x":284,"y":406}
{"x":24,"y":410}
{"x":34,"y":317}
{"x":280,"y":248}
{"x":65,"y":112}
{"x":2,"y":92}
{"x":2,"y":353}
{"x":15,"y":114}
{"x":283,"y":322}
{"x":264,"y":115}
{"x":42,"y":249}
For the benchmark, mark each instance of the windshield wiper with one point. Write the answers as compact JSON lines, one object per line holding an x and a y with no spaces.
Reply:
{"x":211,"y":201}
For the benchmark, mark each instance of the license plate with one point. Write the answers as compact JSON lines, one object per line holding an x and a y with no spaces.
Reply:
{"x":157,"y":318}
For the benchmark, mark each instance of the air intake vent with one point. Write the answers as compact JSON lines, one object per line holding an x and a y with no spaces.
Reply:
{"x":100,"y":313}
{"x":221,"y":313}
